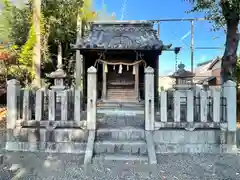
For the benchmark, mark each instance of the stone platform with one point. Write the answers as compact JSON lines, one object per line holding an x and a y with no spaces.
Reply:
{"x":43,"y":140}
{"x":120,"y":136}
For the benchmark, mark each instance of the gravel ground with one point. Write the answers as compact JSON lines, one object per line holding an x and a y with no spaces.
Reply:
{"x":43,"y":166}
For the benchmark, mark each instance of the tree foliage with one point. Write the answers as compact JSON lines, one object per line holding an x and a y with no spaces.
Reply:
{"x":225,"y":14}
{"x":58,"y":25}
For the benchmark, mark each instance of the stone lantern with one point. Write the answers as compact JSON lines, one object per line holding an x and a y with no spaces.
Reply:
{"x":183,"y":78}
{"x":59,"y":75}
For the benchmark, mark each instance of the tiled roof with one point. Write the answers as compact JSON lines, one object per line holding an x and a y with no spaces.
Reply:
{"x":136,"y":35}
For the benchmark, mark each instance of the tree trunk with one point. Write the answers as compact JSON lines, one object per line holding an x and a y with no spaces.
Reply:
{"x":37,"y":48}
{"x":79,"y":59}
{"x":229,"y":59}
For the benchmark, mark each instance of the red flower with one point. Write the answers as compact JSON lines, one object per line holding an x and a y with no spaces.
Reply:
{"x":4,"y":56}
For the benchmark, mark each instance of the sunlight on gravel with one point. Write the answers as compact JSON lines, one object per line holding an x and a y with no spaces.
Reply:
{"x":45,"y":166}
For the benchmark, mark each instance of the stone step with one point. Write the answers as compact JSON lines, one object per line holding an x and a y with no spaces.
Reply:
{"x":121,"y":91}
{"x":121,"y":134}
{"x":119,"y":107}
{"x":121,"y":104}
{"x":142,"y":159}
{"x":115,"y":88}
{"x":117,"y":104}
{"x":120,"y":112}
{"x":122,"y":98}
{"x":121,"y":147}
{"x":123,"y":95}
{"x":120,"y":120}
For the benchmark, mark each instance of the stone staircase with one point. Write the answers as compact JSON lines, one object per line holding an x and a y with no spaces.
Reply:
{"x":121,"y":138}
{"x":121,"y":94}
{"x":117,"y":144}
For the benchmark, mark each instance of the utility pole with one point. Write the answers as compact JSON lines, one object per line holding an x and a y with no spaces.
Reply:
{"x":192,"y":44}
{"x":37,"y":47}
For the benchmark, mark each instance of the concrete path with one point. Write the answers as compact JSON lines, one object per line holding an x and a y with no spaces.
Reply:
{"x":43,"y":166}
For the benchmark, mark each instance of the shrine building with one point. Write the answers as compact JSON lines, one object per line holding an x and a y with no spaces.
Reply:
{"x":121,"y":50}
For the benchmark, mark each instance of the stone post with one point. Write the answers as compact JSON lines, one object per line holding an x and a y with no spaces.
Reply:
{"x":163,"y":108}
{"x":92,"y":98}
{"x":13,"y":92}
{"x":190,"y":106}
{"x":177,"y":106}
{"x":203,"y":106}
{"x":104,"y":83}
{"x":216,"y":104}
{"x":229,"y":92}
{"x":39,"y":108}
{"x":51,"y":105}
{"x":77,"y":104}
{"x":27,"y":105}
{"x":149,"y":99}
{"x":65,"y":105}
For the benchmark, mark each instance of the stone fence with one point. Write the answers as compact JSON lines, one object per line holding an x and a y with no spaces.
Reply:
{"x":190,"y":109}
{"x":197,"y":108}
{"x":28,"y":107}
{"x":55,"y":121}
{"x":46,"y":118}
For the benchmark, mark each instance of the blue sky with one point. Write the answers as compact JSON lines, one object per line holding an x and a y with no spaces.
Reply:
{"x":171,"y":32}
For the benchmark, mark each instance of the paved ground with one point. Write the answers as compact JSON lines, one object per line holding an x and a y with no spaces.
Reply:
{"x":42,"y":166}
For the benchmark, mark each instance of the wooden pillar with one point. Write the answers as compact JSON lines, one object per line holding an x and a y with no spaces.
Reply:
{"x":136,"y":84}
{"x":104,"y":83}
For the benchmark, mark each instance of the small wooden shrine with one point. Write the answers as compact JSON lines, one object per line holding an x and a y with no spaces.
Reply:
{"x":120,"y":50}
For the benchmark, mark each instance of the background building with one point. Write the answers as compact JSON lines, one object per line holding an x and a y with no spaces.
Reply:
{"x":208,"y":71}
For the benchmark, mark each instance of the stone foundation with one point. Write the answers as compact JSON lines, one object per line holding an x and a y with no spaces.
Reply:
{"x":117,"y":142}
{"x":198,"y":141}
{"x":42,"y":140}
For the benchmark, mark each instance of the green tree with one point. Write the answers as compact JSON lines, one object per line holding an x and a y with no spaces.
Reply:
{"x":58,"y":30}
{"x":224,"y":14}
{"x":11,"y":66}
